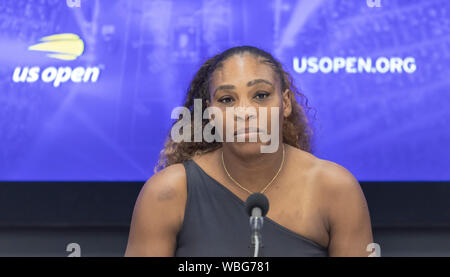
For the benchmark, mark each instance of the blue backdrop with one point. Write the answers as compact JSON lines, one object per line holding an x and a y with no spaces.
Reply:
{"x":376,"y":72}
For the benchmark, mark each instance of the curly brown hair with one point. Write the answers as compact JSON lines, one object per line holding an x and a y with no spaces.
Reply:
{"x":296,"y":130}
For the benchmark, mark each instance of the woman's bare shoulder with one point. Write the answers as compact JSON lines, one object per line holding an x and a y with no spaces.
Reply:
{"x":172,"y":173}
{"x":158,"y":213}
{"x":335,"y":177}
{"x":338,"y":187}
{"x":167,"y":184}
{"x":324,"y":173}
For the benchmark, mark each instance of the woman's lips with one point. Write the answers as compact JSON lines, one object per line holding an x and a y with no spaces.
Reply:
{"x":247,"y":131}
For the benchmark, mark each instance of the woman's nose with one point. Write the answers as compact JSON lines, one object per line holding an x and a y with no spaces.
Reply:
{"x":245,"y":112}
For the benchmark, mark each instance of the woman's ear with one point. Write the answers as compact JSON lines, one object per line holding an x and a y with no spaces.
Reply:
{"x":287,"y":107}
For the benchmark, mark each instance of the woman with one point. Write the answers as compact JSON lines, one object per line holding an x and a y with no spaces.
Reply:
{"x":195,"y":205}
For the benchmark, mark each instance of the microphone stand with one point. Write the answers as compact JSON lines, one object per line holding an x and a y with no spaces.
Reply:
{"x":256,"y":223}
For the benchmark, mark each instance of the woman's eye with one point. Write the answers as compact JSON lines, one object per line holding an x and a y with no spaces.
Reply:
{"x":262,"y":95}
{"x":225,"y":100}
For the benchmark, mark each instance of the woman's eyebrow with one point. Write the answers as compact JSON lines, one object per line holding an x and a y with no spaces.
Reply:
{"x":225,"y":87}
{"x":251,"y":83}
{"x":257,"y":81}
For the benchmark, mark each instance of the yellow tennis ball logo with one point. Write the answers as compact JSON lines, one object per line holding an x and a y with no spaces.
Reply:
{"x":66,"y":46}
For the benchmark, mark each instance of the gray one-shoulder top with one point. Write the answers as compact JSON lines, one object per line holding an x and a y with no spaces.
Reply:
{"x":216,"y":224}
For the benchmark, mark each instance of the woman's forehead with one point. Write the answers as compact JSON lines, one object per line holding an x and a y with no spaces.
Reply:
{"x":242,"y":69}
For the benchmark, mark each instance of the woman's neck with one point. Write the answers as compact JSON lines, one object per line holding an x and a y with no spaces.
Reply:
{"x":252,"y":172}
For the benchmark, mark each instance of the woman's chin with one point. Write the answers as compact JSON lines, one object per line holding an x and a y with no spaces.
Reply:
{"x":248,"y":147}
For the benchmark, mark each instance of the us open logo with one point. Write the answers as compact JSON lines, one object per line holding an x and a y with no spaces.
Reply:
{"x":65,"y":47}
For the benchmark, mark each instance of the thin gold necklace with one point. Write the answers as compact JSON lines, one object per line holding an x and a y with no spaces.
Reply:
{"x":264,"y":189}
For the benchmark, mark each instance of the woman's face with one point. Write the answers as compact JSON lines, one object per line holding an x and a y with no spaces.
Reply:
{"x":246,"y":84}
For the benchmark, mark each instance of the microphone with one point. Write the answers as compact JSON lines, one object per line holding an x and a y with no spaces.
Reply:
{"x":257,"y":206}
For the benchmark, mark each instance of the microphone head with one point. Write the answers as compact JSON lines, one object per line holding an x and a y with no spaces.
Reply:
{"x":257,"y":200}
